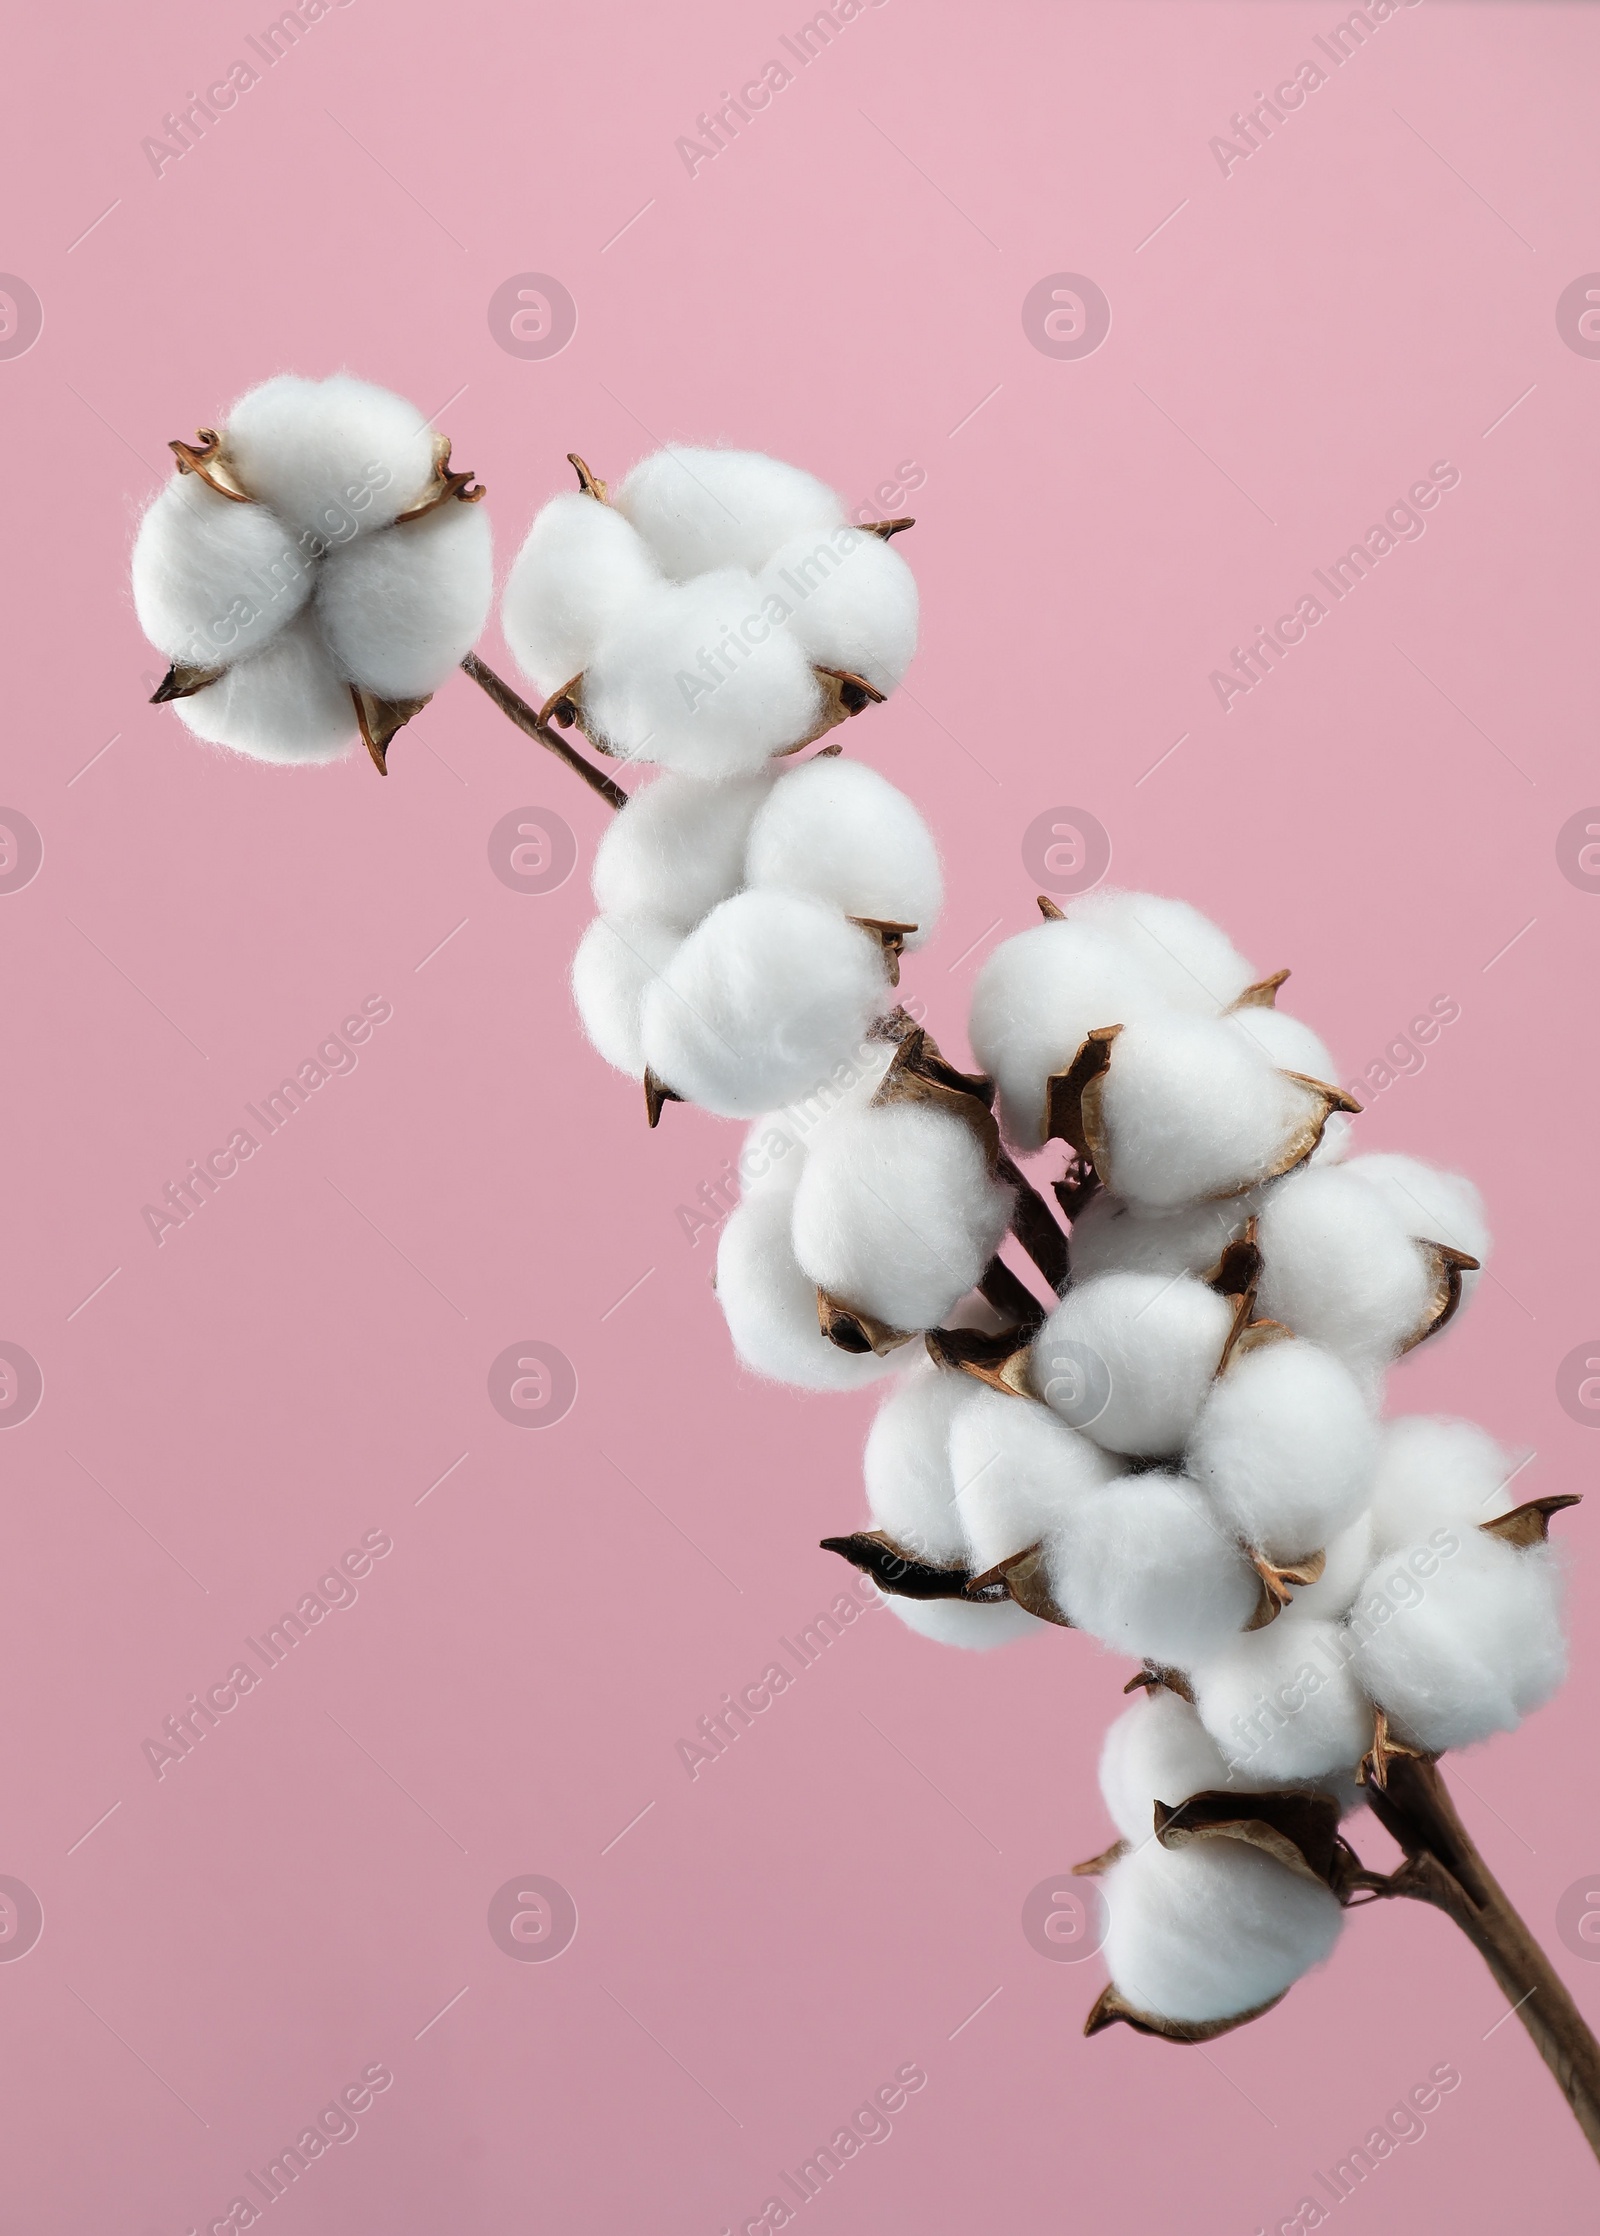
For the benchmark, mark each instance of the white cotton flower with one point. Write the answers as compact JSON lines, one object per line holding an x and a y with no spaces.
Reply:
{"x":1284,"y":1703}
{"x":1433,"y":1473}
{"x":583,"y":565}
{"x":214,"y":580}
{"x":678,"y":847}
{"x":1212,"y":1929}
{"x":771,"y":1308}
{"x":1157,"y":1750}
{"x":1349,"y":1555}
{"x":1196,"y":966}
{"x":1285,"y":1447}
{"x":1129,"y":1359}
{"x":400,"y":610}
{"x":702,"y":509}
{"x":1189,"y":1110}
{"x":897,"y":1213}
{"x":837,"y":829}
{"x":1141,"y":1564}
{"x":617,"y":958}
{"x":977,"y":1625}
{"x":761,"y":1002}
{"x":1035,"y":1002}
{"x":1339,"y":1268}
{"x":1110,"y":1236}
{"x":337,"y":456}
{"x":1432,"y":1205}
{"x":1284,"y":1041}
{"x":1460,"y":1637}
{"x":907,"y":1466}
{"x":286,"y":703}
{"x":1017,"y":1470}
{"x":852,"y":602}
{"x":696,"y":676}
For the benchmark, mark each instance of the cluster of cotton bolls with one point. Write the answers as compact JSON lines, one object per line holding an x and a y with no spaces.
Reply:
{"x":313,"y":571}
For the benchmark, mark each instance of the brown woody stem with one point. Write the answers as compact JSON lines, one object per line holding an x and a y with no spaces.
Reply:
{"x":528,"y":721}
{"x":1035,"y":1227}
{"x":1443,"y":1867}
{"x":1009,"y":1295}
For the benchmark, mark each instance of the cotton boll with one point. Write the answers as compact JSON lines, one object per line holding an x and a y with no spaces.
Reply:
{"x":897,"y":1213}
{"x":401,"y":609}
{"x":1213,"y":1929}
{"x":1284,"y":1041}
{"x":907,"y":1466}
{"x":1196,"y":966}
{"x":774,"y":1154}
{"x":699,"y":509}
{"x":837,"y":829}
{"x":1455,"y":1645}
{"x":1110,"y":1236}
{"x":1190,"y":1110}
{"x":1035,"y":1002}
{"x":954,"y":1622}
{"x":1141,"y":1565}
{"x":761,"y":1002}
{"x":1284,"y":1703}
{"x":617,"y":958}
{"x":852,"y":602}
{"x":1435,"y":1206}
{"x":1157,"y":1750}
{"x":1129,"y":1358}
{"x":697,"y":677}
{"x":771,"y":1308}
{"x":1349,"y":1556}
{"x":583,"y":565}
{"x":678,"y":846}
{"x":1432,"y":1474}
{"x":213,"y":580}
{"x":1338,"y":1268}
{"x":285,"y":704}
{"x":1017,"y":1470}
{"x":337,"y":456}
{"x":1285,"y":1447}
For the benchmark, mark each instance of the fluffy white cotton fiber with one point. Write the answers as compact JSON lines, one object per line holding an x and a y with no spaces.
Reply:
{"x":583,"y":565}
{"x":1141,"y":1564}
{"x":1190,"y":1110}
{"x":1284,"y":1041}
{"x":1213,"y":1929}
{"x":1283,"y":1703}
{"x":1337,"y":1266}
{"x":1285,"y":1447}
{"x":338,"y":457}
{"x":1349,"y":1555}
{"x":954,"y":1622}
{"x":617,"y":958}
{"x":1157,"y":1750}
{"x":1457,"y":1644}
{"x":761,"y":1002}
{"x":286,"y":703}
{"x":1129,"y":1358}
{"x":702,"y":509}
{"x":907,"y":1466}
{"x":214,"y":580}
{"x":399,"y":610}
{"x":1434,"y":1474}
{"x":771,"y":1308}
{"x":1195,"y":965}
{"x":696,"y":676}
{"x":897,"y":1213}
{"x":837,"y":829}
{"x":1435,"y":1206}
{"x":852,"y":602}
{"x":1017,"y":1471}
{"x":678,"y":847}
{"x":1110,"y":1236}
{"x":1037,"y":999}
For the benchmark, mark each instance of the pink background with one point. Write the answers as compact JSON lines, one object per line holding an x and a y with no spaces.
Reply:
{"x":1373,"y":290}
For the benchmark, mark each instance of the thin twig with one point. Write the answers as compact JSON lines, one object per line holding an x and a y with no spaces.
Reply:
{"x":1035,"y":1227}
{"x":528,"y":722}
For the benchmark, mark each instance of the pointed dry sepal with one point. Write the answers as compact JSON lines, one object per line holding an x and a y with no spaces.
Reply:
{"x":887,"y":528}
{"x":1072,"y":1099}
{"x":1278,"y":1582}
{"x":588,"y":482}
{"x":1110,"y":2007}
{"x":1447,"y":1265}
{"x":381,"y":720}
{"x":998,"y":1361}
{"x":657,"y":1095}
{"x":1300,"y":1830}
{"x":180,"y":682}
{"x":891,"y":937}
{"x":1024,"y":1578}
{"x":206,"y":458}
{"x":1373,"y":1768}
{"x":898,"y":1572}
{"x":918,"y":1073}
{"x":1049,"y":911}
{"x":850,"y":1329}
{"x":1156,"y":1677}
{"x":444,"y":485}
{"x":1530,"y":1524}
{"x":1262,"y":995}
{"x":1307,"y":1136}
{"x":1096,"y":1867}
